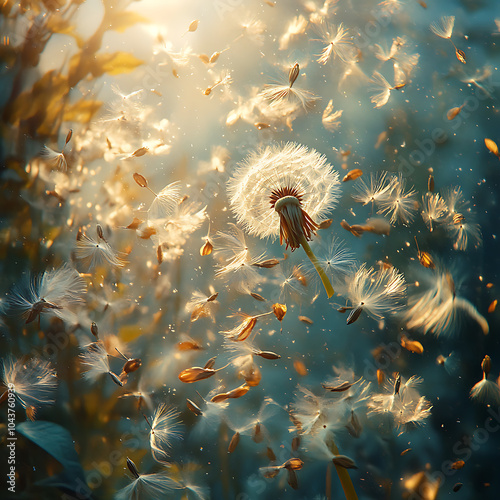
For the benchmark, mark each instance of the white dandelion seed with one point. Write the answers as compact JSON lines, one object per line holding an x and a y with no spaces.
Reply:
{"x":402,"y":402}
{"x":377,"y":191}
{"x":53,"y":292}
{"x":96,"y":363}
{"x":335,"y":258}
{"x":434,"y":209}
{"x":58,"y":160}
{"x":400,"y":204}
{"x":34,"y":381}
{"x":97,"y":252}
{"x":145,"y":486}
{"x":279,"y":93}
{"x":377,"y":292}
{"x":443,"y":28}
{"x":438,"y":309}
{"x":165,"y":426}
{"x":338,"y":42}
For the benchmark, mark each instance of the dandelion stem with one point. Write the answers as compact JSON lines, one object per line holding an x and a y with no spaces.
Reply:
{"x":345,"y":479}
{"x":324,"y":278}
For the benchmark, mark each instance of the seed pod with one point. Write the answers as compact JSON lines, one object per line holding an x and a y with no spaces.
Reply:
{"x":234,"y":442}
{"x":430,"y":183}
{"x":267,"y":355}
{"x":270,"y":454}
{"x":213,"y":297}
{"x":261,"y":125}
{"x":300,"y":368}
{"x":293,"y":464}
{"x":132,"y":365}
{"x":306,"y":320}
{"x":295,"y":443}
{"x":132,"y":468}
{"x":457,"y":465}
{"x":380,"y":377}
{"x":457,"y":487}
{"x":214,"y":57}
{"x":397,"y":384}
{"x":492,"y":146}
{"x":279,"y":311}
{"x":193,"y":407}
{"x":69,"y":136}
{"x":404,"y":452}
{"x":325,"y":224}
{"x":486,"y":365}
{"x":344,"y":386}
{"x":460,"y":55}
{"x":141,"y":180}
{"x":246,"y":328}
{"x":190,"y":375}
{"x":411,"y":345}
{"x":115,"y":379}
{"x":100,"y":232}
{"x":354,"y":426}
{"x":267,"y":264}
{"x":210,"y":363}
{"x":159,"y":254}
{"x":94,"y":330}
{"x":139,"y":152}
{"x":258,"y":297}
{"x":257,"y":435}
{"x":253,"y":377}
{"x":293,"y":74}
{"x":193,"y":26}
{"x":292,"y":479}
{"x":343,"y":461}
{"x":493,"y":306}
{"x":206,"y":249}
{"x":354,"y":314}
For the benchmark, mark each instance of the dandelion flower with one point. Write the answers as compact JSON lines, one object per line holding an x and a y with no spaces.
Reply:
{"x":52,"y":292}
{"x":34,"y":381}
{"x":145,"y":486}
{"x":377,"y":292}
{"x":165,"y":426}
{"x":281,"y":190}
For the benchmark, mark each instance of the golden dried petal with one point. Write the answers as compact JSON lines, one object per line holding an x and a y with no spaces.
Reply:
{"x":492,"y":146}
{"x":300,"y":368}
{"x":352,"y":175}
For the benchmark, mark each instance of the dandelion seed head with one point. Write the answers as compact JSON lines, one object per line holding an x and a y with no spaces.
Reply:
{"x":267,"y":176}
